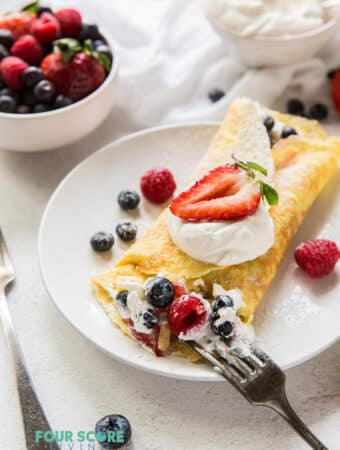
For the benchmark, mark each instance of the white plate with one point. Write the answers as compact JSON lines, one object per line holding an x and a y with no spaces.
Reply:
{"x":299,"y":316}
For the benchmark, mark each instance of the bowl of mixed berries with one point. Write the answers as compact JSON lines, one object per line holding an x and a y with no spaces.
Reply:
{"x":57,"y":77}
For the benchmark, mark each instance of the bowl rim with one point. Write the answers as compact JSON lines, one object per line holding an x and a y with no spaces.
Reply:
{"x":110,"y":76}
{"x":331,"y":22}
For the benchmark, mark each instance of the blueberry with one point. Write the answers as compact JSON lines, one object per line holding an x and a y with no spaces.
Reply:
{"x":128,"y":200}
{"x":150,"y":320}
{"x":287,"y":131}
{"x":7,"y":104}
{"x":319,"y":111}
{"x":222,"y":301}
{"x":43,"y":9}
{"x":98,"y":43}
{"x":62,"y":101}
{"x":159,"y":292}
{"x":122,"y":296}
{"x":89,"y":31}
{"x":10,"y":93}
{"x":23,"y":109}
{"x":3,"y":52}
{"x":31,"y":76}
{"x":105,"y":50}
{"x":28,"y":98}
{"x":47,"y":49}
{"x":119,"y":425}
{"x":269,"y":123}
{"x":41,"y":108}
{"x":224,"y":330}
{"x":215,"y":95}
{"x":126,"y":231}
{"x":295,"y":106}
{"x":102,"y":242}
{"x":6,"y":38}
{"x":44,"y":91}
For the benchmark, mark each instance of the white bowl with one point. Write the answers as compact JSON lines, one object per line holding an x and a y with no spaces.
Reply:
{"x":259,"y":51}
{"x":50,"y":130}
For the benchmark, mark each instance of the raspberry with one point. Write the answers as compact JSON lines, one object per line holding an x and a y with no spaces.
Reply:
{"x":11,"y":69}
{"x":70,"y":21}
{"x":46,"y":28}
{"x":28,"y":48}
{"x":186,"y":313}
{"x":180,"y":289}
{"x":317,"y":257}
{"x":158,"y":185}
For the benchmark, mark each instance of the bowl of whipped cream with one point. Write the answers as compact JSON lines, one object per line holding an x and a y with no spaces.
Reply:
{"x":274,"y":32}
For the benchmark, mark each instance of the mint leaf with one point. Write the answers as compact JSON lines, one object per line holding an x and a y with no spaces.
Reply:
{"x":257,"y":167}
{"x":240,"y":164}
{"x":269,"y":193}
{"x":31,"y":8}
{"x":104,"y":60}
{"x":88,"y":48}
{"x":68,"y":48}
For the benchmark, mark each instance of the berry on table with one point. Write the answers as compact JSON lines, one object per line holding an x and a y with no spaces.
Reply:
{"x":62,"y":101}
{"x":215,"y":95}
{"x":126,"y":231}
{"x":23,"y":109}
{"x":42,"y":108}
{"x":159,"y":292}
{"x":287,"y":131}
{"x":3,"y":52}
{"x":122,"y":296}
{"x":269,"y":123}
{"x":7,"y":104}
{"x":17,"y":23}
{"x":70,"y":21}
{"x":46,"y":28}
{"x":117,"y":424}
{"x":158,"y":185}
{"x":128,"y":200}
{"x":102,"y":242}
{"x":11,"y":69}
{"x":317,"y":257}
{"x":319,"y":111}
{"x":6,"y":38}
{"x":32,"y":76}
{"x":44,"y":91}
{"x":28,"y":48}
{"x":295,"y":106}
{"x":186,"y":313}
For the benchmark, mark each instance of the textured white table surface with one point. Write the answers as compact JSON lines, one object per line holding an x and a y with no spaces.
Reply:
{"x":78,"y":384}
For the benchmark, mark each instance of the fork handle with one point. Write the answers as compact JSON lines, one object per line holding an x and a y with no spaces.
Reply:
{"x":33,"y":415}
{"x":282,"y":406}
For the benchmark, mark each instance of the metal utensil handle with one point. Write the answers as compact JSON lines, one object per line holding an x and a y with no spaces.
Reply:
{"x":282,"y":406}
{"x":33,"y":415}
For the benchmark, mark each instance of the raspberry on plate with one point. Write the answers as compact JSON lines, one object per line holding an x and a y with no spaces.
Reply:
{"x":158,"y":185}
{"x":11,"y":69}
{"x":18,"y":23}
{"x":188,"y":316}
{"x":46,"y":28}
{"x":29,"y":49}
{"x":70,"y":21}
{"x":317,"y":257}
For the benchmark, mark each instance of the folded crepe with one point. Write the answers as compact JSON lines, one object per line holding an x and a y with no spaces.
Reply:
{"x":304,"y":163}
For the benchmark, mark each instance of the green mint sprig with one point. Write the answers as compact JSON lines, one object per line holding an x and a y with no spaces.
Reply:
{"x":31,"y":8}
{"x":267,"y":191}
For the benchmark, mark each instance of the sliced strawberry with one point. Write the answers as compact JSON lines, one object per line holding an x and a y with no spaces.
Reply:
{"x":225,"y":193}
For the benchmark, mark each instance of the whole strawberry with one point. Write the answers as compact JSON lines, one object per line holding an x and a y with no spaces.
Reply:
{"x":18,"y":23}
{"x":11,"y":69}
{"x":317,"y":257}
{"x":28,"y":48}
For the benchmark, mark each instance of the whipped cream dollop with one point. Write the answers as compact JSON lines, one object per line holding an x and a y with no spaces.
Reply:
{"x":231,"y":242}
{"x":268,"y":17}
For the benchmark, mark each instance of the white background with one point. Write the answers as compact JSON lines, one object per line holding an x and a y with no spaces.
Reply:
{"x":77,"y":383}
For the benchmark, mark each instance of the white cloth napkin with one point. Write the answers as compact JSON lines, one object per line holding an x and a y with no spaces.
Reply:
{"x":170,"y":59}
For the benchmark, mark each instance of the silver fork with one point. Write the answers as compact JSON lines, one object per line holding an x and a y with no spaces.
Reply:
{"x":261,"y":382}
{"x":33,"y":415}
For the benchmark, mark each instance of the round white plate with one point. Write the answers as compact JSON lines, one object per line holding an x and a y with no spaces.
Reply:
{"x":299,"y":316}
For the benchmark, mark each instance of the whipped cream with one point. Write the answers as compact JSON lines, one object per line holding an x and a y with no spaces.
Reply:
{"x":268,"y":17}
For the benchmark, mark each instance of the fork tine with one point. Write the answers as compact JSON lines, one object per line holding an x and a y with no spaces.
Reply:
{"x":4,"y":252}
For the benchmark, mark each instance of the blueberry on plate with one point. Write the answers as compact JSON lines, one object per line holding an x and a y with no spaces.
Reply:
{"x":44,"y":91}
{"x":31,"y":76}
{"x":159,"y":292}
{"x":7,"y":104}
{"x":215,"y":95}
{"x":269,"y":123}
{"x":287,"y":131}
{"x":319,"y":111}
{"x":23,"y":109}
{"x":3,"y":52}
{"x":224,"y":330}
{"x":126,"y":231}
{"x":62,"y":101}
{"x":122,"y":296}
{"x":10,"y":93}
{"x":222,"y":301}
{"x":102,"y":242}
{"x":105,"y":50}
{"x":113,"y":431}
{"x":6,"y":38}
{"x":150,"y":320}
{"x":128,"y":200}
{"x":295,"y":106}
{"x":41,"y":108}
